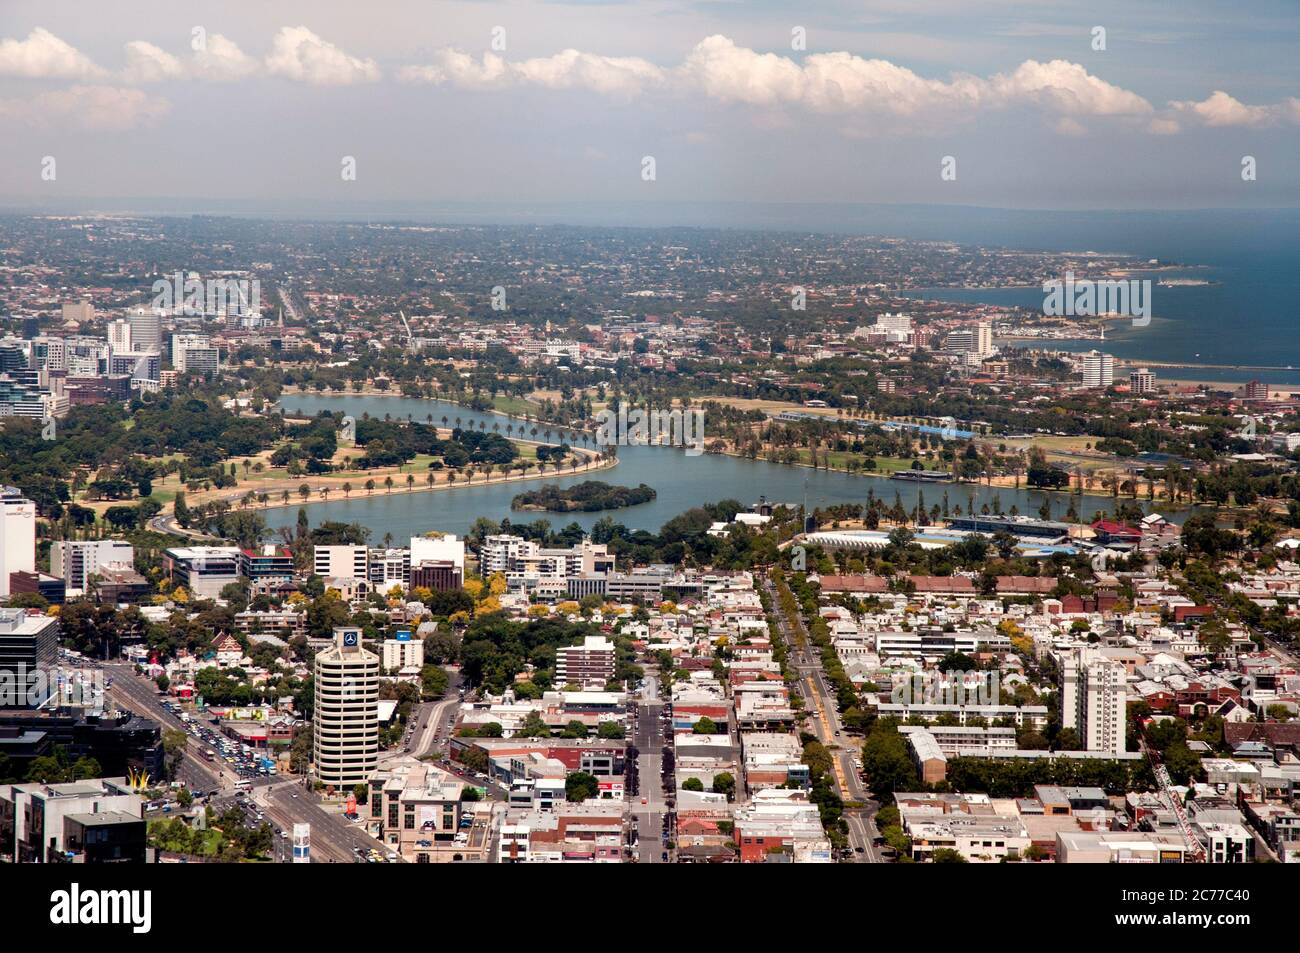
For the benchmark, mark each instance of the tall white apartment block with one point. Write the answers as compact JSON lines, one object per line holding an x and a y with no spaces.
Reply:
{"x":1093,"y":700}
{"x":1105,"y":715}
{"x":345,"y":739}
{"x":17,"y":535}
{"x":75,"y":561}
{"x":1098,"y":369}
{"x":499,"y":552}
{"x":182,"y":347}
{"x":341,"y":562}
{"x":119,"y":336}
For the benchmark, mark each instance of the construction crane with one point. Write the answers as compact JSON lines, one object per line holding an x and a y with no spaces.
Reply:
{"x":1195,"y":850}
{"x":410,"y":340}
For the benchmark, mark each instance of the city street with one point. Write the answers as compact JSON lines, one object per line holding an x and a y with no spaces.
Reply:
{"x":826,"y":725}
{"x":649,"y":741}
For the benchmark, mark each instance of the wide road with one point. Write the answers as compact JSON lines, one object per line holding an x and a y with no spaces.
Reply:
{"x":430,"y":721}
{"x":333,"y":836}
{"x":138,"y":694}
{"x":649,"y":741}
{"x":820,"y":701}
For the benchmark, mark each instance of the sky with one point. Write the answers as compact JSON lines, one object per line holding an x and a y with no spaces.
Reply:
{"x":323,"y":106}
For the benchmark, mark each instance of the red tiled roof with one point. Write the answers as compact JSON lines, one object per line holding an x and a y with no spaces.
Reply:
{"x":1273,"y":733}
{"x":1043,"y":585}
{"x":955,"y":584}
{"x":854,"y":584}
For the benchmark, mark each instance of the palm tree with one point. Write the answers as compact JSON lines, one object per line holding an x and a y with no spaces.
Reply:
{"x":388,"y":483}
{"x":347,"y":490}
{"x":429,"y":478}
{"x":284,"y":496}
{"x":324,"y":493}
{"x":370,"y":487}
{"x":410,"y":482}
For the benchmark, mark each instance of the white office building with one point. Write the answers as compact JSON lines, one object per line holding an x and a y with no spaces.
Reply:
{"x":895,"y":327}
{"x":146,"y":329}
{"x":345,"y":740}
{"x":75,"y":561}
{"x":203,"y":571}
{"x":341,"y":562}
{"x":440,"y":547}
{"x":17,"y":535}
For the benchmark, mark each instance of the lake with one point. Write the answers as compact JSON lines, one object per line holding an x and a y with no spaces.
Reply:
{"x":681,"y":481}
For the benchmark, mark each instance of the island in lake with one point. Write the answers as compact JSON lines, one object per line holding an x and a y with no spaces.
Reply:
{"x":587,"y":497}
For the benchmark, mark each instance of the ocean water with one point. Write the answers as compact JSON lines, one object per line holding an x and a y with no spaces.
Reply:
{"x":1247,"y":319}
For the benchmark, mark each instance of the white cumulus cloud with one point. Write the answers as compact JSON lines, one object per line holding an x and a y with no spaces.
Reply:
{"x":568,"y":69}
{"x":218,"y":60}
{"x":720,"y":70}
{"x":222,"y":60}
{"x":146,"y":63}
{"x":299,"y":54}
{"x":95,"y":108}
{"x":44,"y":56}
{"x":1220,"y":109}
